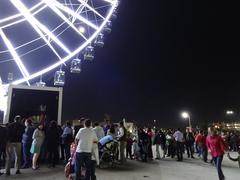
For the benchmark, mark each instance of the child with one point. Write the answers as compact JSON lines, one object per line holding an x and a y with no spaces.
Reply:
{"x":69,"y":168}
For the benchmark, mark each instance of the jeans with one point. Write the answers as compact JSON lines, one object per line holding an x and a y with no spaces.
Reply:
{"x":179,"y":150}
{"x":204,"y":153}
{"x":190,"y":149}
{"x":26,"y":154}
{"x":92,"y":170}
{"x":83,"y":158}
{"x":67,"y":152}
{"x":218,"y":164}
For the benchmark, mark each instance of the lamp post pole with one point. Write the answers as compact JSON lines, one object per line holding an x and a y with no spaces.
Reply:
{"x":190,"y":124}
{"x":186,"y":115}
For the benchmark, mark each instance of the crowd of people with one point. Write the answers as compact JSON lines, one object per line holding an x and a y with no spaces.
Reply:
{"x":80,"y":146}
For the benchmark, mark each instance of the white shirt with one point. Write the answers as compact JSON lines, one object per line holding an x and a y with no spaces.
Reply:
{"x":86,"y":137}
{"x":178,"y":136}
{"x":120,"y":132}
{"x":99,"y":132}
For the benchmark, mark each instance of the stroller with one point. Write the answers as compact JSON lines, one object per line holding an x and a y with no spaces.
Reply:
{"x":108,"y":151}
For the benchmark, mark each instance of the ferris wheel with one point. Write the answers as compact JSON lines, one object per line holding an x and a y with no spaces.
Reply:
{"x":39,"y":37}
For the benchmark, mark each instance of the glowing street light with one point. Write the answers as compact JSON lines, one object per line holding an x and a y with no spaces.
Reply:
{"x":229,"y":112}
{"x":186,"y":115}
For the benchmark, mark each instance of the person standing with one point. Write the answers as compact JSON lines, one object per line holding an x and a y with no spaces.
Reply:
{"x":189,"y":142}
{"x":67,"y":138}
{"x":52,"y":141}
{"x":84,"y":139}
{"x":178,"y":135}
{"x":15,"y":132}
{"x":170,"y":144}
{"x":3,"y":144}
{"x":157,"y":142}
{"x":150,"y":137}
{"x":27,"y":142}
{"x":216,"y":147}
{"x":38,"y":138}
{"x":203,"y":146}
{"x":129,"y":146}
{"x":163,"y":143}
{"x":122,"y":136}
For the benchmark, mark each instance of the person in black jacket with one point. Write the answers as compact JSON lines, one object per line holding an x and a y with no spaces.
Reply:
{"x":189,"y":142}
{"x":143,"y":144}
{"x":3,"y":143}
{"x":52,"y":141}
{"x":15,"y":132}
{"x":27,"y":142}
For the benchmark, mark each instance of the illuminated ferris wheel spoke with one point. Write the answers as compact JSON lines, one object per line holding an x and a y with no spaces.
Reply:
{"x":37,"y":25}
{"x":79,"y":9}
{"x":34,"y":40}
{"x":31,"y":21}
{"x":60,"y":14}
{"x":19,"y":15}
{"x":74,"y":14}
{"x":92,"y":9}
{"x":18,"y":61}
{"x":70,"y":2}
{"x":23,"y":19}
{"x":111,"y":1}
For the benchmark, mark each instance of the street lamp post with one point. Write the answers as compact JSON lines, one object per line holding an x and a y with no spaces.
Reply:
{"x":186,"y":115}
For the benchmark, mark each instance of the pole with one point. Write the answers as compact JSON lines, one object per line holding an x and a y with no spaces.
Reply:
{"x":190,"y":125}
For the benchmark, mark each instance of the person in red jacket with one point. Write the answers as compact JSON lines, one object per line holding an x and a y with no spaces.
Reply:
{"x":216,"y":147}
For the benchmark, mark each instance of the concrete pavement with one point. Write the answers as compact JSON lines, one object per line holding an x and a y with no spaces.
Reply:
{"x":164,"y":169}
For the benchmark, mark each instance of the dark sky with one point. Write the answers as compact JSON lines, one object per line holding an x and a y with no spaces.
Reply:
{"x":162,"y":57}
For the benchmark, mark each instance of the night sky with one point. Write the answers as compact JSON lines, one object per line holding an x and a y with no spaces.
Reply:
{"x":161,"y":58}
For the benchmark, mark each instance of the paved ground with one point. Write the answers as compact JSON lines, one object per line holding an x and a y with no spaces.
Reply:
{"x":166,"y":169}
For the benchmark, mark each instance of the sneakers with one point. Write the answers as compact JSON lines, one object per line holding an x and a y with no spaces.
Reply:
{"x":35,"y":168}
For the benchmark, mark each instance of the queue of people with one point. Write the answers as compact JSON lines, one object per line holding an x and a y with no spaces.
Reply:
{"x":81,"y":146}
